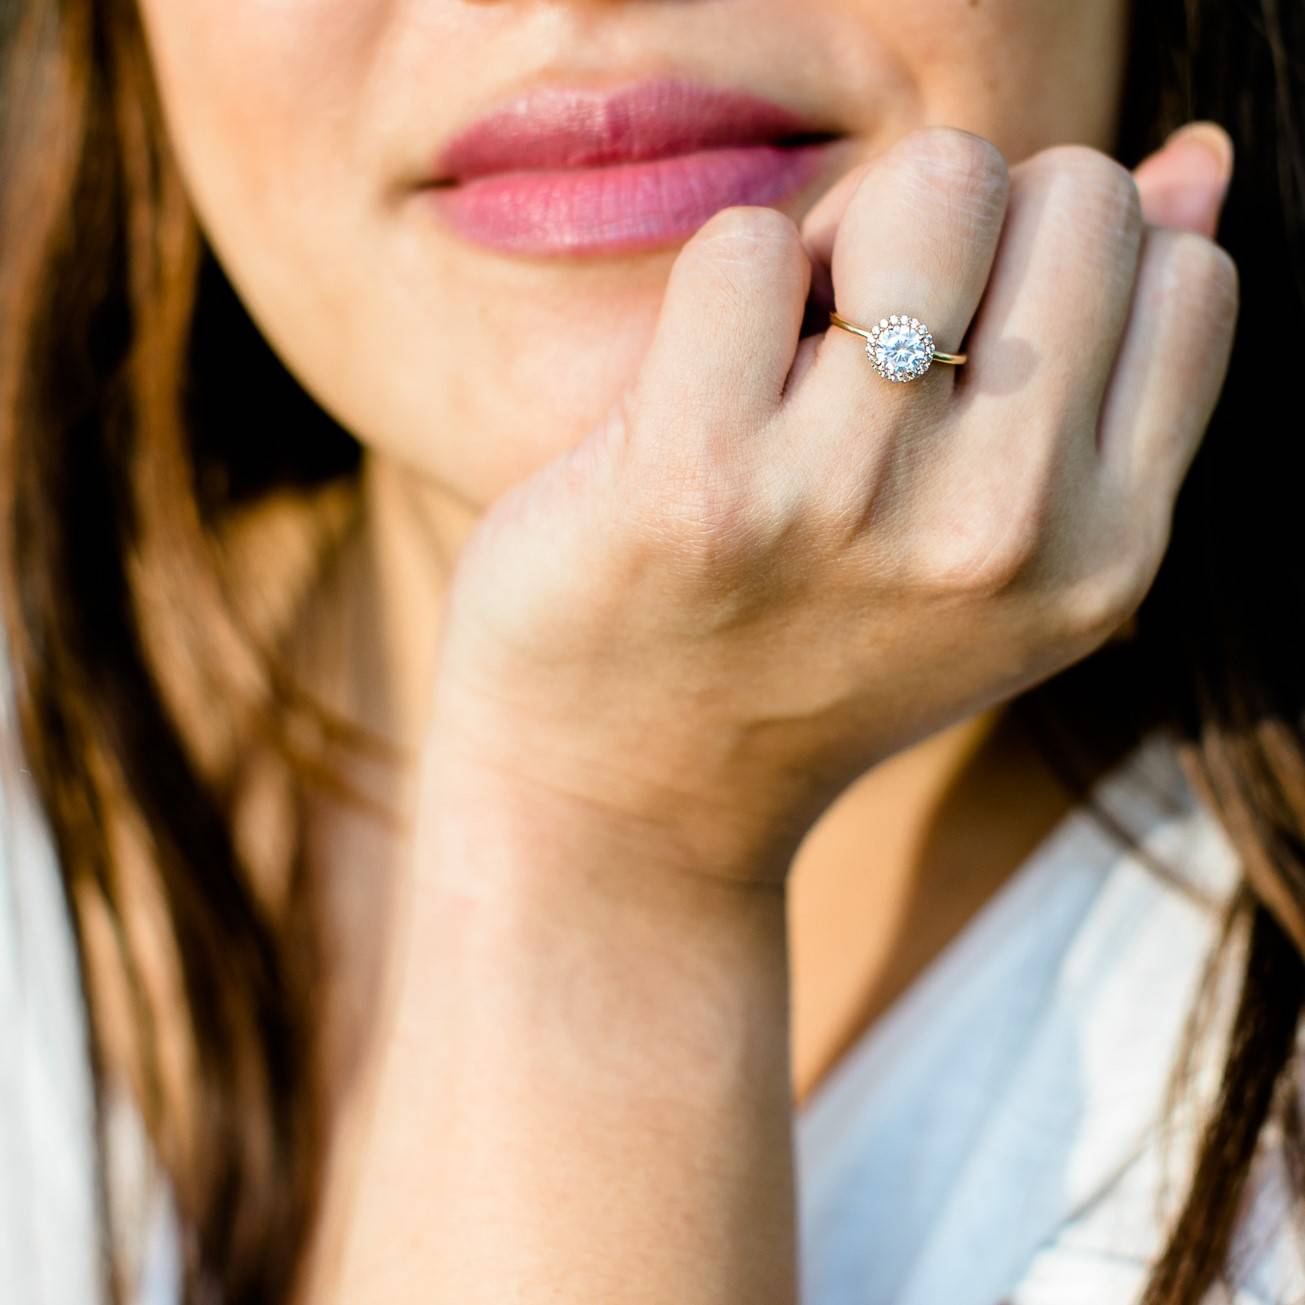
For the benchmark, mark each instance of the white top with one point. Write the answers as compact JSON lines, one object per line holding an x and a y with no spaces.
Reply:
{"x":986,"y":1143}
{"x":993,"y":1138}
{"x":50,"y":1243}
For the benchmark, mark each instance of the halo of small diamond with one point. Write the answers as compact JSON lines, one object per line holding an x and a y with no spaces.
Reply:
{"x":900,"y":348}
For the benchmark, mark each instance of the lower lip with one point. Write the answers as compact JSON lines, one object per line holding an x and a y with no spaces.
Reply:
{"x":623,"y":207}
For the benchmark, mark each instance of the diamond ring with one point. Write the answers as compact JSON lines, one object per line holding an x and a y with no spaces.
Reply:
{"x":899,"y":347}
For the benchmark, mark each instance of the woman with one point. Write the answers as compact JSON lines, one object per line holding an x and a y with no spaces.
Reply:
{"x":476,"y":624}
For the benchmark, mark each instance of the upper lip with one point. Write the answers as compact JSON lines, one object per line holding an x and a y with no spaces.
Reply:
{"x":577,"y":126}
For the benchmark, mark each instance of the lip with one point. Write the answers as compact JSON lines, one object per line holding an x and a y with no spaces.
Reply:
{"x":574,"y":170}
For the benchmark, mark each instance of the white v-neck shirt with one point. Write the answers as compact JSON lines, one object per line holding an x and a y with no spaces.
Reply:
{"x":995,"y":1136}
{"x":989,"y":1141}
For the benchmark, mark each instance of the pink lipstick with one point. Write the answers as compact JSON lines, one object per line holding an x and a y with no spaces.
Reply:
{"x":563,"y":170}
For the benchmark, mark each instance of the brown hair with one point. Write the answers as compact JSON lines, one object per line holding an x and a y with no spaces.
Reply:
{"x":140,"y":658}
{"x":133,"y":474}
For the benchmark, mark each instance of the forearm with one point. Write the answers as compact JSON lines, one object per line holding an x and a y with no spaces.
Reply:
{"x":584,"y":1089}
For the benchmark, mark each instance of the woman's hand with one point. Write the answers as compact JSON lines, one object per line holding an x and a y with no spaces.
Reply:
{"x":664,"y":652}
{"x":770,"y":568}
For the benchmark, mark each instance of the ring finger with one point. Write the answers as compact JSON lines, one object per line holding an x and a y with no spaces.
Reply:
{"x":917,"y":237}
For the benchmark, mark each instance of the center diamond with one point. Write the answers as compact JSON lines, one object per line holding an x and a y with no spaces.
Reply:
{"x":900,"y":348}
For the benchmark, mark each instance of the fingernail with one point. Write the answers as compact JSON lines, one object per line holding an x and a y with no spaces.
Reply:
{"x":1212,"y":137}
{"x":1195,"y":166}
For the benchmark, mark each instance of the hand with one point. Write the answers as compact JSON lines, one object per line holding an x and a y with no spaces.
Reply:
{"x":769,"y":569}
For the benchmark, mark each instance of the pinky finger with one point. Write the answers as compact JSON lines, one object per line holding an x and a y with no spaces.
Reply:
{"x":1171,"y":364}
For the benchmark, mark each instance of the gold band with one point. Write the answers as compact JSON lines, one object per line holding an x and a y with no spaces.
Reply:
{"x":938,"y":355}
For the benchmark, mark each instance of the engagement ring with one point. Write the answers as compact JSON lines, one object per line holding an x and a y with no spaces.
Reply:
{"x":899,"y":347}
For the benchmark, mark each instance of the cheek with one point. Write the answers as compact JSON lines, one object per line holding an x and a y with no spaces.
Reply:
{"x":286,"y":120}
{"x":1026,"y":73}
{"x":292,"y":119}
{"x":268,"y":105}
{"x":258,"y":90}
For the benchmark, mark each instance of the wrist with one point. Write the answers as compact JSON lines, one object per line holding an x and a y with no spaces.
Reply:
{"x":564,"y":920}
{"x":506,"y":784}
{"x":585,"y":1049}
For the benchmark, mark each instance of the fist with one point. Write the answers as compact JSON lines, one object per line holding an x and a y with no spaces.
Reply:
{"x":770,"y":568}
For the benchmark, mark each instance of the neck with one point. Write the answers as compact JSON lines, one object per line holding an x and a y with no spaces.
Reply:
{"x":374,"y":645}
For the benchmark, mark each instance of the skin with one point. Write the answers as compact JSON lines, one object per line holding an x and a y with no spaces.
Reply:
{"x":663,"y":498}
{"x":301,"y":124}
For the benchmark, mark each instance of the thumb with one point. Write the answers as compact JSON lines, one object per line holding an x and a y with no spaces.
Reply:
{"x":1184,"y":182}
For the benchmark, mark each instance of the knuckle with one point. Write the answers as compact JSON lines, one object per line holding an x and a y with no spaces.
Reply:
{"x":741,"y":230}
{"x":984,"y":555}
{"x":958,"y":162}
{"x":701,"y":518}
{"x":741,"y":251}
{"x":1199,"y":274}
{"x":1087,"y":165}
{"x":1091,"y":186}
{"x":1099,"y":604}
